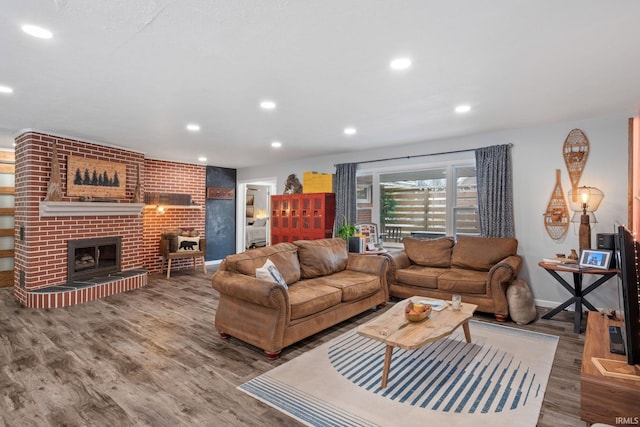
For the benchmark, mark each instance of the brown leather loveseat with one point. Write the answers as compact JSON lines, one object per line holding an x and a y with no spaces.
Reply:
{"x":478,"y":268}
{"x":325,"y":285}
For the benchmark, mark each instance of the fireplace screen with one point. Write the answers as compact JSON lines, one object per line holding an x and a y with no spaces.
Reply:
{"x":93,"y":257}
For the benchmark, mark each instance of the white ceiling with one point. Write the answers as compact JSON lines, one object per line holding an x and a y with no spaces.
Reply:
{"x":133,"y":73}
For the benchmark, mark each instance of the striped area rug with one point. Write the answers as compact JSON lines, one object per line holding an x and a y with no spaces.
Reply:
{"x":498,"y":379}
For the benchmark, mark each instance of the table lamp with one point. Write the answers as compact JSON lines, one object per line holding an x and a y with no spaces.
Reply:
{"x":585,"y":201}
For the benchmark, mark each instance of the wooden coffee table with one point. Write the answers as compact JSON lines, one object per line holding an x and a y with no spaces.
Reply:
{"x":393,"y":329}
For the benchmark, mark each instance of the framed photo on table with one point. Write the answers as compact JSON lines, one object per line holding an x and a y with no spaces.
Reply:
{"x":596,"y":258}
{"x":369,"y":232}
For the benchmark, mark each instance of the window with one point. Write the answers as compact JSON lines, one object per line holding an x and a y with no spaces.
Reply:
{"x":465,"y":211}
{"x":427,"y":202}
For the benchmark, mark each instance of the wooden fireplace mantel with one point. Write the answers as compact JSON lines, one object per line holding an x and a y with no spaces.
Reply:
{"x":89,"y":208}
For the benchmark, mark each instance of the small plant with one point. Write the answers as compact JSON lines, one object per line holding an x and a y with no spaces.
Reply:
{"x":387,"y":208}
{"x":346,"y":230}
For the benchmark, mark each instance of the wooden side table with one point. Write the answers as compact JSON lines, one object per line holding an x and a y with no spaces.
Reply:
{"x":577,"y":293}
{"x":607,"y":400}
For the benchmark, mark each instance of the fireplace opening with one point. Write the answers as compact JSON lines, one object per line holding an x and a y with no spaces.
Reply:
{"x":93,"y":257}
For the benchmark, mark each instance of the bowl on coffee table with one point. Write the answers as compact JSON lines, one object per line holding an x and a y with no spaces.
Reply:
{"x":416,"y":312}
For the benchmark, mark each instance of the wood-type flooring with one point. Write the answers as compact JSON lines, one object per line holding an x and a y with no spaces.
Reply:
{"x":152,"y":357}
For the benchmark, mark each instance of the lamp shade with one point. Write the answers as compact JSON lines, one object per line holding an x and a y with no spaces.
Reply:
{"x":585,"y":197}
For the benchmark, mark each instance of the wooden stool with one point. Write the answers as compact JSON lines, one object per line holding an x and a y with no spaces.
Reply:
{"x":168,"y":256}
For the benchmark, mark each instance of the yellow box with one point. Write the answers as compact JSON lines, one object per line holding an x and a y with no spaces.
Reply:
{"x":314,"y":182}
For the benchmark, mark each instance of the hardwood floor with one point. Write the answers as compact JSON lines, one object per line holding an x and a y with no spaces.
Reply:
{"x":152,"y":357}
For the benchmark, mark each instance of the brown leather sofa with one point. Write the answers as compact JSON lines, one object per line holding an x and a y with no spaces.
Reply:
{"x":325,"y":285}
{"x":478,"y":268}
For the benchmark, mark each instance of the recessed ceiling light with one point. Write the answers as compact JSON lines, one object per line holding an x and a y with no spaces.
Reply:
{"x":400,"y":63}
{"x":276,"y":144}
{"x":350,"y":131}
{"x":463,"y":108}
{"x":268,"y":105}
{"x":35,"y":31}
{"x":5,"y":89}
{"x":192,"y":127}
{"x":202,"y":159}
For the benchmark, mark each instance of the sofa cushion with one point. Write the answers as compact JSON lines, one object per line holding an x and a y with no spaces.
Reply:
{"x":283,"y":255}
{"x":417,"y":275}
{"x":321,"y":257}
{"x":459,"y":281}
{"x":307,"y":298}
{"x":429,"y":253}
{"x":354,"y":284}
{"x":482,"y":253}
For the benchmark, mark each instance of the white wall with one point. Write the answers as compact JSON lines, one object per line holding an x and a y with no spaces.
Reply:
{"x":536,"y":154}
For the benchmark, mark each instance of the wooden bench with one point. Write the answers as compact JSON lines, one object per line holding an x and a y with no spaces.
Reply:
{"x":168,"y":256}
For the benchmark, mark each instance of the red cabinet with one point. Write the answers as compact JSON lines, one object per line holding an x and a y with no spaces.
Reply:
{"x":302,"y":216}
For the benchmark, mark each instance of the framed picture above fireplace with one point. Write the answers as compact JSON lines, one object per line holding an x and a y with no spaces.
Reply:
{"x":96,"y":178}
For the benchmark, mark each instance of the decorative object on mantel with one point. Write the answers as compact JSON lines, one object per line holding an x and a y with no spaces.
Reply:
{"x":54,"y":190}
{"x":556,"y":218}
{"x":137,"y":192}
{"x":292,"y":186}
{"x":97,"y":178}
{"x":575,"y":152}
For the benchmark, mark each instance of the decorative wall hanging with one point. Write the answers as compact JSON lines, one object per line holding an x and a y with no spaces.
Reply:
{"x":96,"y":178}
{"x":54,"y":190}
{"x":575,"y":152}
{"x":220,"y":193}
{"x":556,"y":218}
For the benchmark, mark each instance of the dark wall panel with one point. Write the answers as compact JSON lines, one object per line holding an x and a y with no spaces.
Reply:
{"x":220,"y":227}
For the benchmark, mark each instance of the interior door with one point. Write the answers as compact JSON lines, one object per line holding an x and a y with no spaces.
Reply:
{"x":7,"y":212}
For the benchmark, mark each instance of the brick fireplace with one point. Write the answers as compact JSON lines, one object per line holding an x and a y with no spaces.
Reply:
{"x":44,"y":230}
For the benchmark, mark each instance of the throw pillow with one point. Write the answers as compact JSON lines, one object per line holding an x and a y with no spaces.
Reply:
{"x":260,"y":222}
{"x":270,"y":272}
{"x":188,"y":244}
{"x":522,"y":307}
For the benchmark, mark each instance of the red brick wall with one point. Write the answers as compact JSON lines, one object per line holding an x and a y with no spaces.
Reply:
{"x":42,"y":255}
{"x":171,"y":177}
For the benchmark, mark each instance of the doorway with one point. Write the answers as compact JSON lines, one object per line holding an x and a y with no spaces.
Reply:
{"x":7,"y":212}
{"x":254,"y":204}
